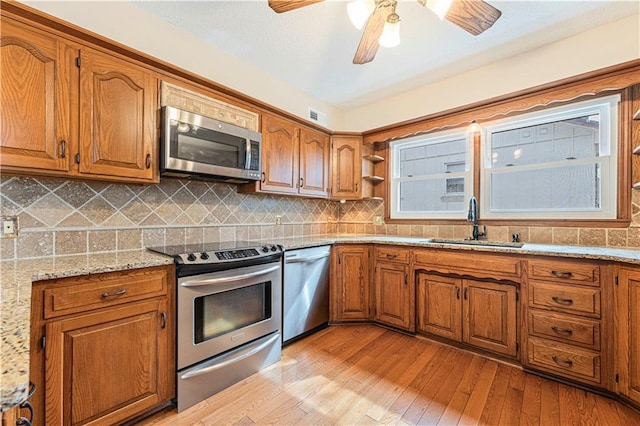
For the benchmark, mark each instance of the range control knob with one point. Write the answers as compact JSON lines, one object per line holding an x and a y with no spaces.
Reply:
{"x":191,"y":257}
{"x":265,"y":249}
{"x":274,"y":248}
{"x":204,"y":255}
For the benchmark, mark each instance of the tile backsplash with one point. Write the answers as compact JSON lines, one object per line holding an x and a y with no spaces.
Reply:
{"x":61,"y":217}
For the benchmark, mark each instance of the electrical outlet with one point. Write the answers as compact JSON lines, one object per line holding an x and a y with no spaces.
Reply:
{"x":9,"y":227}
{"x":377,"y":220}
{"x":278,"y":220}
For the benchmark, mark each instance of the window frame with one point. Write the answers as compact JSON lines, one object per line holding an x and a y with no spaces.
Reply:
{"x":427,"y":139}
{"x":609,"y":109}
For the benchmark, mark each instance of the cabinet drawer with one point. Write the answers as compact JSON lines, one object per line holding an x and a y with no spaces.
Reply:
{"x":565,"y":298}
{"x":565,"y":329}
{"x":393,"y":254}
{"x":564,"y":360}
{"x":584,"y":273}
{"x":79,"y":294}
{"x":488,"y":265}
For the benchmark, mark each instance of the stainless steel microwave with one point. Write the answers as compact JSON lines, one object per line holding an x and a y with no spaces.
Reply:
{"x":199,"y":147}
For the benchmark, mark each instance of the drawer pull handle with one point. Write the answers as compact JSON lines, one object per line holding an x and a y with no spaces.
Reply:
{"x":559,"y":361}
{"x":391,"y":256}
{"x":561,"y":301}
{"x":564,"y":331}
{"x":115,"y":293}
{"x":560,"y":274}
{"x":458,"y":293}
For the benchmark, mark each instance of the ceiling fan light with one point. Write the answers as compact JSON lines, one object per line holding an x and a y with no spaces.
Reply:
{"x":439,"y":7}
{"x":359,"y":12}
{"x":390,"y":36}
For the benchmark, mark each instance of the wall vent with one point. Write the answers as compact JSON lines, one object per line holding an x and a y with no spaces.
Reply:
{"x":317,"y":116}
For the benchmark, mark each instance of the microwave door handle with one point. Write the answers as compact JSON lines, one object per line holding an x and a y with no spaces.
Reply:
{"x":226,"y":280}
{"x":233,"y":360}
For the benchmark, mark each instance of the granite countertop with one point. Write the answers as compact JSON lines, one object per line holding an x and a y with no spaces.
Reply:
{"x":17,"y":276}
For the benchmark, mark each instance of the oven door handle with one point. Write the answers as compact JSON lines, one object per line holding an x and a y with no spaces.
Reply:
{"x":225,"y":280}
{"x":294,"y":259}
{"x":247,"y":354}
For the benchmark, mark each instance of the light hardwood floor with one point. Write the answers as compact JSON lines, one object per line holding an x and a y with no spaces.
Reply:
{"x":363,"y":374}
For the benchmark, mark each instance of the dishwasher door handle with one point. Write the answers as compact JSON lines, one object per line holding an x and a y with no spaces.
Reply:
{"x":294,"y":259}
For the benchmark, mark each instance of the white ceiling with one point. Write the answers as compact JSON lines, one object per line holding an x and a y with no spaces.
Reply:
{"x":312,"y":48}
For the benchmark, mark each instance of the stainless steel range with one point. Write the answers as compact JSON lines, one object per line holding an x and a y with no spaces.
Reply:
{"x":229,"y":314}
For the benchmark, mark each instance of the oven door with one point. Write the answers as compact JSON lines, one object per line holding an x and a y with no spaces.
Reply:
{"x":223,"y":310}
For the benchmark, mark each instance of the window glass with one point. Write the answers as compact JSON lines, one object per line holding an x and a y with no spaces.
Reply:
{"x":431,"y":176}
{"x":556,"y":163}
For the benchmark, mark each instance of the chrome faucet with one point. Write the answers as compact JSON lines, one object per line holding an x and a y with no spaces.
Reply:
{"x":473,"y":217}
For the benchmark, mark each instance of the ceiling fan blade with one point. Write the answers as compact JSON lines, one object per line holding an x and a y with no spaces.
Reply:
{"x":368,"y":46}
{"x":280,"y":6}
{"x":473,"y":16}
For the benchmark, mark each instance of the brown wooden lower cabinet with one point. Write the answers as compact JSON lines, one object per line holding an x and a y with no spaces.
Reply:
{"x":103,"y":364}
{"x":482,"y":314}
{"x":628,"y":328}
{"x":350,"y":283}
{"x":394,"y":301}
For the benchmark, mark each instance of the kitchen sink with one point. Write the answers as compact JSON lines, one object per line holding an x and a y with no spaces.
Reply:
{"x":485,"y":243}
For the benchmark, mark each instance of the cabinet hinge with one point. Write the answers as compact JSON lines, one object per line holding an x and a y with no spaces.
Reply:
{"x":78,"y":61}
{"x":617,"y":378}
{"x":43,"y":341}
{"x":78,"y":158}
{"x":616,"y":280}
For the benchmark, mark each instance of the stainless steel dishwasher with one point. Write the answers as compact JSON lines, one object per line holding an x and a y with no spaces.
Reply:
{"x":305,"y":304}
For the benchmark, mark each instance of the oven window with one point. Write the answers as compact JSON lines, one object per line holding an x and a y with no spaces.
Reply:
{"x":221,"y":313}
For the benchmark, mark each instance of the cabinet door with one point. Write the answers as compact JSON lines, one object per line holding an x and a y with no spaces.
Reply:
{"x":117,"y":118}
{"x":36,"y":94}
{"x":279,"y":156}
{"x":350,"y":283}
{"x":490,"y":316}
{"x":314,"y":163}
{"x":628,"y":326}
{"x":394,"y":295}
{"x":346,"y":167}
{"x":108,"y":366}
{"x":439,"y":306}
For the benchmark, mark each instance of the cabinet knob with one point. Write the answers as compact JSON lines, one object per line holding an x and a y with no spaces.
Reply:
{"x":148,"y":163}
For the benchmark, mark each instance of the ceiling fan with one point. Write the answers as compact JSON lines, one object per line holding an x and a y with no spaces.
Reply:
{"x":381,"y":19}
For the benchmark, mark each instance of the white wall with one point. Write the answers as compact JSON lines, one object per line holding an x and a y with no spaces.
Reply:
{"x":598,"y":48}
{"x":134,"y":27}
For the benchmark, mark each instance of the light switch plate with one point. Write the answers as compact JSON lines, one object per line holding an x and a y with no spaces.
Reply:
{"x":9,"y":227}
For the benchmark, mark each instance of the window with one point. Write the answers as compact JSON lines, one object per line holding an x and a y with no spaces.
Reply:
{"x":431,"y":176}
{"x":556,"y":163}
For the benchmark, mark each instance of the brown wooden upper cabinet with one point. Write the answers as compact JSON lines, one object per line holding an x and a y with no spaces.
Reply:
{"x":295,"y":160}
{"x":73,"y":111}
{"x":346,"y":167}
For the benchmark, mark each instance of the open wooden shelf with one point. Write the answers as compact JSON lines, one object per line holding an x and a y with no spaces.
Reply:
{"x":636,"y":116}
{"x":636,"y":151}
{"x":373,"y":158}
{"x":373,"y":178}
{"x":373,"y":198}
